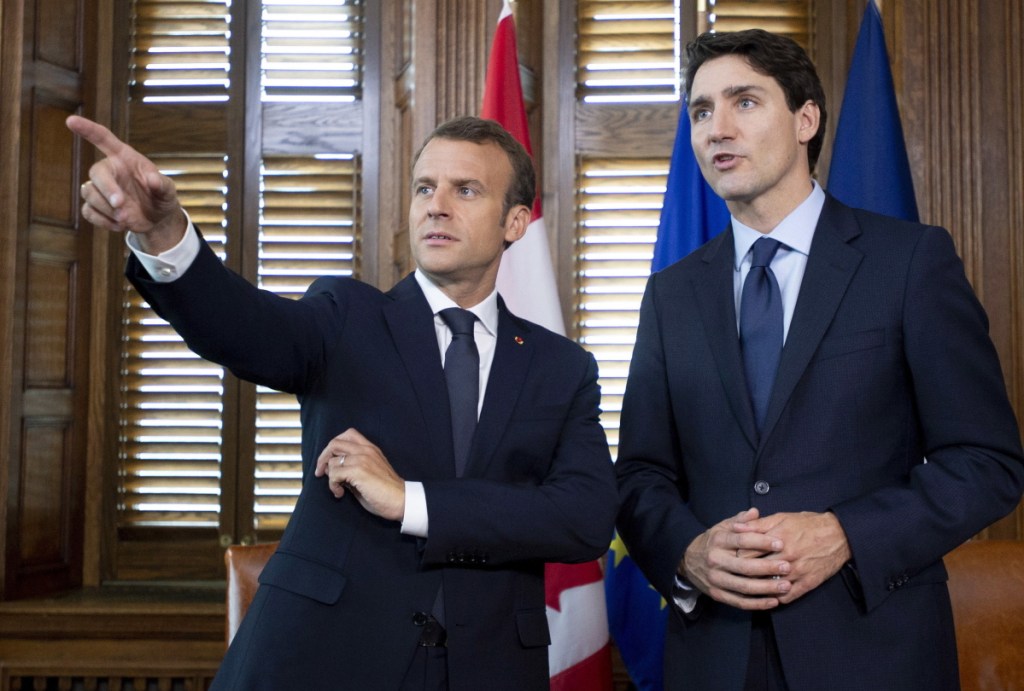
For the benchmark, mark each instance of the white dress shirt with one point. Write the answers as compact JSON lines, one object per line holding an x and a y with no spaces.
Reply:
{"x":170,"y":265}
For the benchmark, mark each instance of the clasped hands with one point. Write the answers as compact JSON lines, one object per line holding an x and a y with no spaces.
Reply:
{"x":353,"y":464}
{"x":757,"y":563}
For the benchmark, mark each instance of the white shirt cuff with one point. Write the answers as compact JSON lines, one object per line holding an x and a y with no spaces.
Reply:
{"x":684,"y":595}
{"x":415,"y":522}
{"x":170,"y":265}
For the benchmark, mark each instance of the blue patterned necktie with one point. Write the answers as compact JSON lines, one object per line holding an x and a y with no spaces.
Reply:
{"x":761,"y":326}
{"x":462,"y":374}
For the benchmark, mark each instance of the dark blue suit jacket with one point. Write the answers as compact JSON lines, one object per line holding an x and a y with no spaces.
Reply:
{"x":337,"y":601}
{"x":887,"y":362}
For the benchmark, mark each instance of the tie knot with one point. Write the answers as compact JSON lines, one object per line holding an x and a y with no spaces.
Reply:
{"x":763,"y":252}
{"x":460,"y":321}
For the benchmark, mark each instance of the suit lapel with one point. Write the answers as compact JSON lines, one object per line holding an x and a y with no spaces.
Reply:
{"x":411,"y":324}
{"x":715,"y":299}
{"x":830,"y":267}
{"x":513,"y":350}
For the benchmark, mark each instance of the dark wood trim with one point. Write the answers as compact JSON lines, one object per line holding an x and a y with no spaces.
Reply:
{"x":369,"y":244}
{"x":558,"y":157}
{"x":113,"y":633}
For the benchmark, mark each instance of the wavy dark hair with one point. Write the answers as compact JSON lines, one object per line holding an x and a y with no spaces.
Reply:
{"x":523,"y":187}
{"x":778,"y":57}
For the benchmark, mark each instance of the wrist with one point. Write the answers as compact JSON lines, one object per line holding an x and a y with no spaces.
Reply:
{"x":165,"y":235}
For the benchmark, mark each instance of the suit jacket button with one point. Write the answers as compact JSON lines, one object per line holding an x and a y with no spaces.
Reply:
{"x":762,"y":487}
{"x":419,"y":618}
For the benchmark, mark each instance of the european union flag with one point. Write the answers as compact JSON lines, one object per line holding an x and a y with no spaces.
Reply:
{"x":636,"y":618}
{"x":869,"y":158}
{"x":691,"y":215}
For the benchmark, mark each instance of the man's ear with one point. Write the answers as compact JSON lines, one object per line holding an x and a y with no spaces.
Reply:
{"x":516,"y":222}
{"x":808,"y":121}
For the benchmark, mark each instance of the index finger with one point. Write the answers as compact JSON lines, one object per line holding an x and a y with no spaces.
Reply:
{"x":96,"y":134}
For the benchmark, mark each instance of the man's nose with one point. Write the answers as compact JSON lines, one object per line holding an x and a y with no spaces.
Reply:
{"x":439,"y":204}
{"x":722,"y":125}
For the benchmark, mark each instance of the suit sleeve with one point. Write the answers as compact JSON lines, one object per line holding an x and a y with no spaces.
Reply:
{"x":654,"y":522}
{"x":261,"y":337}
{"x":974,"y":471}
{"x":565,"y":516}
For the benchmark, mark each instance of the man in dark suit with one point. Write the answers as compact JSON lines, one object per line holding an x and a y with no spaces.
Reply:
{"x":415,"y":555}
{"x":814,"y":413}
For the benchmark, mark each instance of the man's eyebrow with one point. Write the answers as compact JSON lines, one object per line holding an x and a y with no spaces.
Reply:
{"x":729,"y":92}
{"x":467,"y":182}
{"x":698,"y":103}
{"x":741,"y":89}
{"x":459,"y":182}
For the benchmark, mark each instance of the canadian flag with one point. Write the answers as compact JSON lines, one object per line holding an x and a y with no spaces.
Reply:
{"x":580,"y":652}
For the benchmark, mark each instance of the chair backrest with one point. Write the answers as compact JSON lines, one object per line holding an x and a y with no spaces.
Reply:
{"x":244,"y":564}
{"x":986,"y":585}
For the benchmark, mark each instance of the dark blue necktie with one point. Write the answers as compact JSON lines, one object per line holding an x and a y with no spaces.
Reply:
{"x":761,"y":326}
{"x":462,"y":373}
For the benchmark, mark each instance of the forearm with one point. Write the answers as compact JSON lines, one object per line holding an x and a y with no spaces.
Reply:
{"x":227,"y":320}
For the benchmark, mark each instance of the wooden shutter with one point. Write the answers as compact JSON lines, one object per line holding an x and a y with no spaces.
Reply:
{"x":311,"y":51}
{"x":788,"y":17}
{"x":181,"y":50}
{"x":307,"y":230}
{"x":619,"y":205}
{"x":628,"y":50}
{"x":173,"y":404}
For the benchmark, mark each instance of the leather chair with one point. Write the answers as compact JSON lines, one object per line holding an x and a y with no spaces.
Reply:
{"x":244,"y":564}
{"x":986,"y":585}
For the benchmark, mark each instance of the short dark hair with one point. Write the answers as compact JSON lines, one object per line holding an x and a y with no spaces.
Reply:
{"x":778,"y":57}
{"x":522,"y":188}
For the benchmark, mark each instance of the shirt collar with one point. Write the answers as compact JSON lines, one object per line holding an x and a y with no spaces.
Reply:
{"x":795,"y":231}
{"x":486,"y":310}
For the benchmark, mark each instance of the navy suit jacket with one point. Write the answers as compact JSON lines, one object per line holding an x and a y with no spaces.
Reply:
{"x":887,"y":363}
{"x":337,"y":602}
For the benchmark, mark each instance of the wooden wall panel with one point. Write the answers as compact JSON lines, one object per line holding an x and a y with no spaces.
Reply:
{"x":464,"y":31}
{"x":49,"y":334}
{"x":58,"y":35}
{"x":42,"y":536}
{"x":47,"y":329}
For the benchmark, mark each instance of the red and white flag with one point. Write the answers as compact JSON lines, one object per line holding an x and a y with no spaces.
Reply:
{"x":526,"y":277}
{"x":580,"y":652}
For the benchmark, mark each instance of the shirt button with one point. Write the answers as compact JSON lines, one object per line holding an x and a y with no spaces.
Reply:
{"x":165,"y":271}
{"x":761,"y":487}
